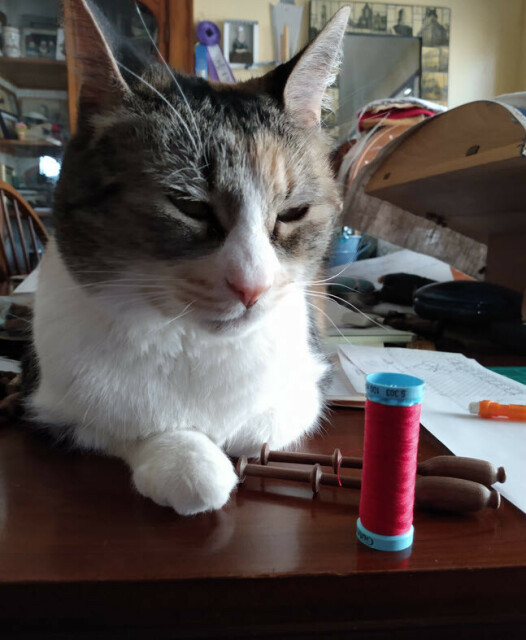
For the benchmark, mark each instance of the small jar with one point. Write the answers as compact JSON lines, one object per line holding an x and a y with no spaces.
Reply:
{"x":12,"y":42}
{"x":21,"y":130}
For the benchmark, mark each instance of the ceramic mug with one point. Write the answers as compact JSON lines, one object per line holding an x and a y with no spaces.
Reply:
{"x":347,"y":249}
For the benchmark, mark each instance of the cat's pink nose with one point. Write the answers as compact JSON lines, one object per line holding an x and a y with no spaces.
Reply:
{"x":248,"y":295}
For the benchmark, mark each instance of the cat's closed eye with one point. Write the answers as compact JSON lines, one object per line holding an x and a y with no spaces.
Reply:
{"x":195,"y":209}
{"x":294,"y":214}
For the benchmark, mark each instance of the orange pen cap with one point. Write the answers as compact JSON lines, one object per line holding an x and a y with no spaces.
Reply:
{"x":489,"y":409}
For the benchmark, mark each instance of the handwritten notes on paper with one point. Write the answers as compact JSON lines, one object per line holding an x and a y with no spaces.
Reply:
{"x":452,"y":382}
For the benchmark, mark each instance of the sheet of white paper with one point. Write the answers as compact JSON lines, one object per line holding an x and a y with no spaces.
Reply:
{"x":340,"y":390}
{"x":404,"y":261}
{"x":29,"y":285}
{"x":452,"y":382}
{"x":353,"y":373}
{"x":9,"y":365}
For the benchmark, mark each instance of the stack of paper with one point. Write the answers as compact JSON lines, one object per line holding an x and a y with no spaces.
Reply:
{"x":452,"y":382}
{"x":404,"y":261}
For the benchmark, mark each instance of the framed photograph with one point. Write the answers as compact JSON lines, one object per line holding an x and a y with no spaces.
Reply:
{"x":435,"y":87}
{"x":8,"y":125}
{"x":61,"y":45}
{"x":431,"y":24}
{"x":240,"y":43}
{"x":39,"y":43}
{"x":8,"y":101}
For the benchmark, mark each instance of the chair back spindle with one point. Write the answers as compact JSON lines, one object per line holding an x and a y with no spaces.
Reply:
{"x":22,"y":236}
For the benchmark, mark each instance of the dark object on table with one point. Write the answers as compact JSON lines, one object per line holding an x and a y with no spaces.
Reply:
{"x":6,"y":383}
{"x":10,"y":407}
{"x":399,"y":288}
{"x":10,"y":396}
{"x":18,"y":321}
{"x":410,"y":322}
{"x":511,"y":335}
{"x":467,"y":302}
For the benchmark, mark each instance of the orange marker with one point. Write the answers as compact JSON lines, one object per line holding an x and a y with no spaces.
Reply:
{"x":488,"y":409}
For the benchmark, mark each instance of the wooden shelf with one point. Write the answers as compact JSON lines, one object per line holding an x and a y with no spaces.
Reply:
{"x":35,"y":73}
{"x":465,"y":169}
{"x":29,"y":148}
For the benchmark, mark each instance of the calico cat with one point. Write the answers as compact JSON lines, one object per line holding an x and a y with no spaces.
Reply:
{"x":172,"y":326}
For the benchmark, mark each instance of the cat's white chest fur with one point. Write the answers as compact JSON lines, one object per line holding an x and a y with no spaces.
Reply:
{"x":120,"y":379}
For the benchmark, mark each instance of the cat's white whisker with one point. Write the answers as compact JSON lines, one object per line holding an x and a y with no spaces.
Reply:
{"x":343,"y":286}
{"x":311,"y":304}
{"x":347,"y":266}
{"x":165,"y":100}
{"x":183,"y":313}
{"x":330,"y":296}
{"x":170,"y":71}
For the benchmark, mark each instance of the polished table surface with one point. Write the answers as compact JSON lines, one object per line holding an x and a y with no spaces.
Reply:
{"x":82,"y":554}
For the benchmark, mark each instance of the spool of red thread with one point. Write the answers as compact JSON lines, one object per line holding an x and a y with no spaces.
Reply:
{"x":392,"y":425}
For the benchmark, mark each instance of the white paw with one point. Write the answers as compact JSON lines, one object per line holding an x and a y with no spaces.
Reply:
{"x":190,"y":476}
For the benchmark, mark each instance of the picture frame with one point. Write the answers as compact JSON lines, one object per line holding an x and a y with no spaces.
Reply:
{"x":39,"y":43}
{"x":430,"y":23}
{"x":8,"y":125}
{"x":61,"y":45}
{"x":8,"y":101}
{"x":240,"y":43}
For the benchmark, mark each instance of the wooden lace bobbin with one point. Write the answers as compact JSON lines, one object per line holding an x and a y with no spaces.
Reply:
{"x":313,"y":476}
{"x":325,"y":460}
{"x":456,"y":495}
{"x":472,"y":469}
{"x":435,"y":493}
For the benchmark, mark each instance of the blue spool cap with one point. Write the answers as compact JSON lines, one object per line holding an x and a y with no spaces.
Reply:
{"x":384,"y":543}
{"x":394,"y":389}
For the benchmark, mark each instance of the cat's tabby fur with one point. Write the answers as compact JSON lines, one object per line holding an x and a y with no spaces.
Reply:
{"x":172,"y":326}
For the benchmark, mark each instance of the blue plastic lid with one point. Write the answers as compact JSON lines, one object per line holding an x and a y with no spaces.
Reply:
{"x":396,"y":389}
{"x":384,"y":543}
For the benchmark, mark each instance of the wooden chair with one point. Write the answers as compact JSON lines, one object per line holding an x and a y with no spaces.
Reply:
{"x":22,"y":237}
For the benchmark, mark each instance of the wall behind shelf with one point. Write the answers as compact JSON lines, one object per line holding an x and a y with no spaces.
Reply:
{"x":487,"y":46}
{"x":14,"y":9}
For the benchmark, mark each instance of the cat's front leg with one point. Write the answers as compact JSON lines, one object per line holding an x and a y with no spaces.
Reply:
{"x":182,"y":469}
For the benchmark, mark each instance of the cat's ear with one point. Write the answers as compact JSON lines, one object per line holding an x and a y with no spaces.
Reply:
{"x":299,"y":85}
{"x":315,"y":71}
{"x":101,"y":85}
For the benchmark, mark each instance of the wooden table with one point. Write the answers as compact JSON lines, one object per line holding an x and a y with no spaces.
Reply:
{"x":83,"y":556}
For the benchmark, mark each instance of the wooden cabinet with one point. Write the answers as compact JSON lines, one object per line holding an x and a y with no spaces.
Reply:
{"x":42,"y":91}
{"x":175,"y":41}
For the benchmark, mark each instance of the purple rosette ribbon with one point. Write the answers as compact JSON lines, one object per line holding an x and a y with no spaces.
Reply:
{"x":209,"y":35}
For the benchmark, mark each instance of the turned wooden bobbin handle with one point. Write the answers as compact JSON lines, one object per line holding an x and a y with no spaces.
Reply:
{"x":431,"y":492}
{"x":472,"y":469}
{"x":454,"y":494}
{"x":324,"y":460}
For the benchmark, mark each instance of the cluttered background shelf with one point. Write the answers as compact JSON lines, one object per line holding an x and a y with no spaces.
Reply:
{"x":35,"y":73}
{"x":30,"y":147}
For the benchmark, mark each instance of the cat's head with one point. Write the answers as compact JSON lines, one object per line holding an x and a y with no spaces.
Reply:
{"x":182,"y":193}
